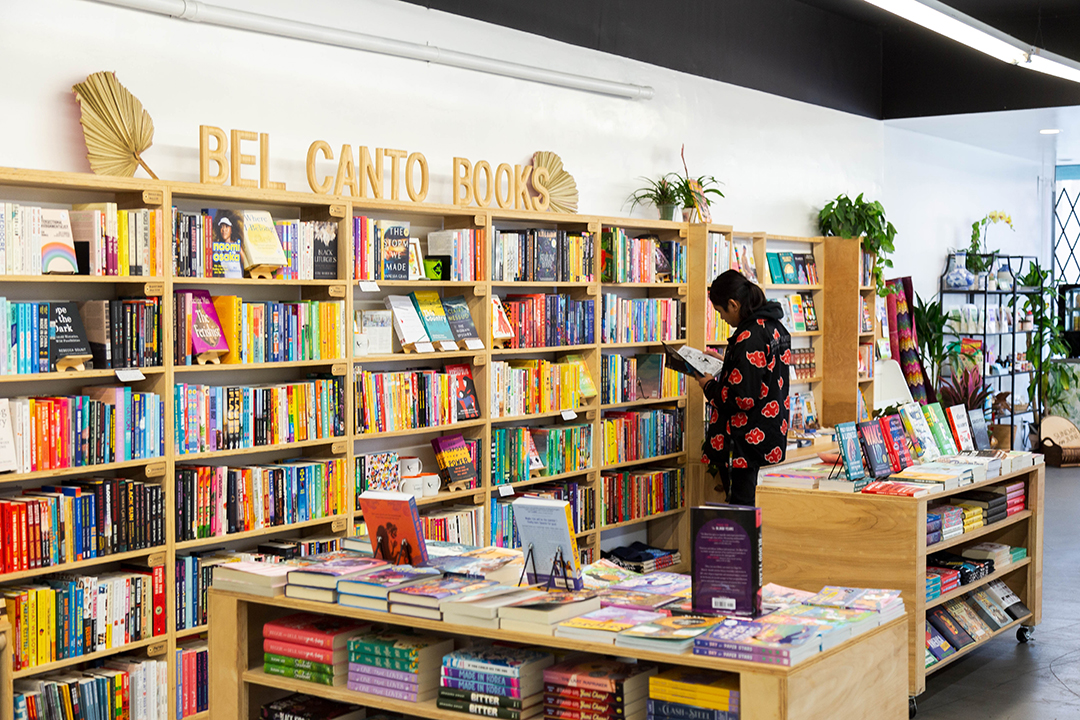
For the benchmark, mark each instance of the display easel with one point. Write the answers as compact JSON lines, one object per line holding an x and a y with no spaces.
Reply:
{"x":263,"y":272}
{"x":558,"y":566}
{"x":75,"y":363}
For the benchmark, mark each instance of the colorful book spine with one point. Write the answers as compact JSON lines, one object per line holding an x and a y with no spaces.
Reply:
{"x":640,"y":259}
{"x":638,"y":435}
{"x":635,"y":494}
{"x":581,"y":497}
{"x":519,"y":452}
{"x":459,"y":524}
{"x":456,"y":673}
{"x":192,"y":678}
{"x":104,"y":687}
{"x":641,"y":320}
{"x":211,"y":418}
{"x":480,"y":687}
{"x":619,"y":380}
{"x":664,"y":710}
{"x":391,"y":401}
{"x":383,"y":691}
{"x":527,"y":387}
{"x":549,"y":320}
{"x":382,"y":674}
{"x":542,"y":255}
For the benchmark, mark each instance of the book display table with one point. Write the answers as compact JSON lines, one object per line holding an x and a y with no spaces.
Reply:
{"x":813,"y":538}
{"x":861,"y":678}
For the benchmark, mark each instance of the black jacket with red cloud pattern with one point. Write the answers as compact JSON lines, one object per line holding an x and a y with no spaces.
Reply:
{"x":748,"y":401}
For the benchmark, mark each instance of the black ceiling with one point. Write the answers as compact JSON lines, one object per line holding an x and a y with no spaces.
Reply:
{"x":843,"y":54}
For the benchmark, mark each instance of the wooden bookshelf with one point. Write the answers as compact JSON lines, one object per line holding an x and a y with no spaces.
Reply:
{"x":865,"y":676}
{"x":814,"y":538}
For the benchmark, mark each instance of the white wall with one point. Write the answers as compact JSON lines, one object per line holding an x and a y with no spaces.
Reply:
{"x":936,"y":188}
{"x":779,"y":159}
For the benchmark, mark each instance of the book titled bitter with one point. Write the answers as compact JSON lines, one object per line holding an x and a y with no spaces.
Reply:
{"x":726,"y":560}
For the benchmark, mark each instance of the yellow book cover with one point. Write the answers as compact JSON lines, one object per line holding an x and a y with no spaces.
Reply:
{"x":122,"y":243}
{"x":586,"y":386}
{"x":259,"y":242}
{"x":30,"y":626}
{"x":46,"y":625}
{"x":706,"y":703}
{"x":155,"y":242}
{"x":228,"y":312}
{"x":693,"y":681}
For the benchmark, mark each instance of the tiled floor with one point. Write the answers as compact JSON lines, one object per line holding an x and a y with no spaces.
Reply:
{"x":1006,"y":680}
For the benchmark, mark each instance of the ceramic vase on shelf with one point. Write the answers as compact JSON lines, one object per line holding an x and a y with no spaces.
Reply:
{"x":958,"y":276}
{"x":1005,"y":278}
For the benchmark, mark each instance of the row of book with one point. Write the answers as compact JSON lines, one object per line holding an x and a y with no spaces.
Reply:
{"x":866,"y":314}
{"x":521,"y":453}
{"x":310,"y":247}
{"x":211,"y":418}
{"x":641,"y":320}
{"x":527,"y":387}
{"x":536,"y":321}
{"x":970,"y":619}
{"x":385,"y":250}
{"x":786,"y":268}
{"x":642,"y":377}
{"x":79,"y":520}
{"x":641,"y":434}
{"x":67,"y":616}
{"x":580,"y":497}
{"x":946,"y":572}
{"x":388,"y":471}
{"x":803,"y":365}
{"x":90,"y":239}
{"x":259,"y":332}
{"x":125,"y":686}
{"x":213,"y":501}
{"x":643,"y":259}
{"x":103,"y":425}
{"x":123,"y":333}
{"x":800,"y":314}
{"x":972,"y":510}
{"x":542,"y":255}
{"x":718,"y":249}
{"x":462,"y":524}
{"x":393,"y":401}
{"x":638,"y":493}
{"x":192,"y":678}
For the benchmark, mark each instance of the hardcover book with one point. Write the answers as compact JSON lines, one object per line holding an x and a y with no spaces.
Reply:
{"x":468,"y":405}
{"x":877,"y":454}
{"x":393,"y":238}
{"x":259,"y":240}
{"x":939,"y":427}
{"x":312,"y":630}
{"x":847,"y":439}
{"x":553,"y":607}
{"x":379,"y":583}
{"x":726,"y":562}
{"x":57,"y":243}
{"x":410,"y":328}
{"x":896,"y":442}
{"x":67,"y":336}
{"x":206,"y":332}
{"x":980,"y":435}
{"x":950,"y":630}
{"x":430,"y":308}
{"x":547,"y":255}
{"x":324,"y":259}
{"x":958,"y":424}
{"x":378,"y":326}
{"x":461,"y":323}
{"x":602,"y":675}
{"x":922,"y":439}
{"x":683,"y":627}
{"x":787,"y":267}
{"x":394,"y":526}
{"x":454,"y":459}
{"x":546,"y":529}
{"x":602,"y":625}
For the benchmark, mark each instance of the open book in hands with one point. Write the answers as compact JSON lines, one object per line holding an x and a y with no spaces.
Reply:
{"x":691,"y":361}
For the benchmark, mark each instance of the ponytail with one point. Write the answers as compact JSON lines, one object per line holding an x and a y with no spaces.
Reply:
{"x":733,"y":285}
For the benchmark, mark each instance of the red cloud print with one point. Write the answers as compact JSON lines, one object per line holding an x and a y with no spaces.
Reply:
{"x":739,"y":420}
{"x":774,"y":456}
{"x":771,"y":410}
{"x":755,"y":436}
{"x":786,"y":357}
{"x":744,"y":335}
{"x":761,"y":322}
{"x":784,"y":427}
{"x":787,"y":402}
{"x":756,"y":358}
{"x":735,"y":377}
{"x":739,"y":462}
{"x":713,"y":415}
{"x":772,"y":364}
{"x":723,"y":395}
{"x":764,"y":391}
{"x":744,"y":403}
{"x":717,"y":442}
{"x":780,"y":383}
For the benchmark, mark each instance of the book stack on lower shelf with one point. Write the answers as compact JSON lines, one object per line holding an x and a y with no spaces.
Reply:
{"x":972,"y":618}
{"x":396,"y":665}
{"x":309,"y":647}
{"x":301,"y":706}
{"x":494,"y":681}
{"x":597,"y":687}
{"x":134,"y":686}
{"x":682,"y":694}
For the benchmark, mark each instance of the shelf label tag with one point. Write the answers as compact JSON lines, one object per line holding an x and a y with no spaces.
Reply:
{"x":154,"y":289}
{"x":447,"y":345}
{"x":336,"y":291}
{"x":155,"y":470}
{"x":569,"y":415}
{"x":424,"y":347}
{"x":338,"y":525}
{"x":368,"y":286}
{"x":130,"y":375}
{"x":505,"y":491}
{"x":474,"y":344}
{"x":337,"y":369}
{"x":155,"y":649}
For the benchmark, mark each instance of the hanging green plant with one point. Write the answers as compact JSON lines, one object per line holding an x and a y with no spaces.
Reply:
{"x":847,"y":218}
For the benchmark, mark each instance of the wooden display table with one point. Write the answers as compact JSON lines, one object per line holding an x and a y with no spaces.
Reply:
{"x":862,"y":678}
{"x":813,"y":538}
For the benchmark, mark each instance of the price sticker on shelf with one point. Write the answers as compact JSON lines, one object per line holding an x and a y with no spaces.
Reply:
{"x":505,"y":491}
{"x":130,"y":375}
{"x":474,"y":344}
{"x":424,"y":347}
{"x":368,"y":286}
{"x":447,"y":345}
{"x":569,"y":415}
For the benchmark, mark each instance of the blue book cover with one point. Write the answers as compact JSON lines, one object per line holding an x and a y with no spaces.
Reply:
{"x":848,"y":442}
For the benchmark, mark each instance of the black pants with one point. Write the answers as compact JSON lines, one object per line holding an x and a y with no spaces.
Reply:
{"x":740,"y":484}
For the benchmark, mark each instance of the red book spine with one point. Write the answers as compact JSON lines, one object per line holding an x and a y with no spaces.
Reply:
{"x":189,"y":682}
{"x":302,"y":652}
{"x":22,"y":519}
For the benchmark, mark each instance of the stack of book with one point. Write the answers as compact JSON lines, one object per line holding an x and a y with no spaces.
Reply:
{"x":667,"y":634}
{"x":542,"y":615}
{"x":933,"y":586}
{"x":299,"y":706}
{"x":777,"y":597}
{"x":402,"y":666}
{"x":309,"y":647}
{"x":992,"y":507}
{"x":1014,"y":494}
{"x":952,"y":520}
{"x":597,"y":688}
{"x":970,"y":570}
{"x":316,"y":578}
{"x":425,"y":599}
{"x":604,"y":573}
{"x":370,"y":591}
{"x":933,"y":528}
{"x":604,"y":624}
{"x":481,"y":609}
{"x":642,"y":558}
{"x":494,"y":681}
{"x":266,"y":579}
{"x":998,"y":553}
{"x":949,"y":578}
{"x":192,"y":677}
{"x":682,"y":693}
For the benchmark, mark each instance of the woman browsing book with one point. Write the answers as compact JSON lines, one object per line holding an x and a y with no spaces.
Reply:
{"x":748,"y":400}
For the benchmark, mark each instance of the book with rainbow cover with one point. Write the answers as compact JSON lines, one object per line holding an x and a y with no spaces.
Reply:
{"x":394,"y":527}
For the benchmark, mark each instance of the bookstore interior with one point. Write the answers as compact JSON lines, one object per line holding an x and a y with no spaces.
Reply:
{"x":318,"y":429}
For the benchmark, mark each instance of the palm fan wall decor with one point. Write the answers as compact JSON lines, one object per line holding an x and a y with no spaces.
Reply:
{"x":561,"y":184}
{"x":116,"y":127}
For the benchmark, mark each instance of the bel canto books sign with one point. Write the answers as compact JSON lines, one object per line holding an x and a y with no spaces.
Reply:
{"x":361,"y":173}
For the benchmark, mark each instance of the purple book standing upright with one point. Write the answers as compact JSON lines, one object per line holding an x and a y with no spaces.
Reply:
{"x":726,"y":560}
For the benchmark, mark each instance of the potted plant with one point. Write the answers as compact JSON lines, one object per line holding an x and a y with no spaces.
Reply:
{"x":969,"y":390}
{"x":980,"y":259}
{"x":1049,"y":380}
{"x":709,"y":186}
{"x":847,"y":218}
{"x":930,"y":323}
{"x":664,"y":193}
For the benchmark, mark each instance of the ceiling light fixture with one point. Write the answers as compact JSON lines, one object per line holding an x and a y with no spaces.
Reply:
{"x":1049,"y":131}
{"x":944,"y":20}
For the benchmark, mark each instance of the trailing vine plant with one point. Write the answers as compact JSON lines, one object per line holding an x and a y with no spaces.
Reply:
{"x":847,"y":218}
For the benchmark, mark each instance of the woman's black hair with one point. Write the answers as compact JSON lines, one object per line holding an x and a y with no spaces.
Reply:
{"x":733,"y":285}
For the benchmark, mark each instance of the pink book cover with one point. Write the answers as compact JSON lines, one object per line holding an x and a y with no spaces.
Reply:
{"x":206,"y":333}
{"x":322,"y":631}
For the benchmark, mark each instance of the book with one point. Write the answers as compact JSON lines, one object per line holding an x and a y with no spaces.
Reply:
{"x":486,"y":603}
{"x":667,"y":634}
{"x":424,"y":650}
{"x":205,"y":328}
{"x":57,"y":243}
{"x":989,"y":611}
{"x":918,"y":430}
{"x":398,"y":537}
{"x":980,"y":436}
{"x":948,"y":627}
{"x":407,"y":323}
{"x":456,"y":466}
{"x":896,"y":442}
{"x":67,"y":336}
{"x":602,"y":625}
{"x":300,"y":706}
{"x":429,"y":306}
{"x":776,"y":271}
{"x":325,"y":570}
{"x":378,"y":327}
{"x":380,"y":583}
{"x":392,"y":236}
{"x":257,"y":574}
{"x":787,"y":267}
{"x":847,"y":439}
{"x":468,"y":404}
{"x":494,"y":711}
{"x":602,"y":675}
{"x":635,"y":600}
{"x":546,"y":529}
{"x":499,"y":660}
{"x":939,"y":427}
{"x":225,"y":247}
{"x":460,"y":319}
{"x":324,"y":251}
{"x":691,"y":361}
{"x":259,"y":240}
{"x":876,"y":452}
{"x":957,"y":417}
{"x":432,"y":593}
{"x":501,"y":329}
{"x":325,"y":632}
{"x":552,"y":608}
{"x":1006,"y":598}
{"x":726,"y":563}
{"x":939,"y":647}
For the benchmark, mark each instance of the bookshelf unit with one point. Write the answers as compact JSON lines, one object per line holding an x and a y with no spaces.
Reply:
{"x":813,"y":538}
{"x":864,"y":676}
{"x":53,"y":189}
{"x":843,"y":297}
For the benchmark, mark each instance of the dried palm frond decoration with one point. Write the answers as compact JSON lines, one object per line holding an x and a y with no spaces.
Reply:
{"x":561,"y":184}
{"x":116,"y":127}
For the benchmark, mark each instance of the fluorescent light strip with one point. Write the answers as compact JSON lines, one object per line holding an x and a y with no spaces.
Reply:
{"x":1056,"y":65}
{"x":283,"y":27}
